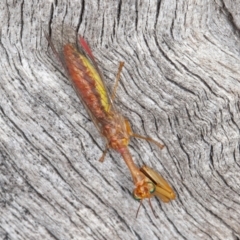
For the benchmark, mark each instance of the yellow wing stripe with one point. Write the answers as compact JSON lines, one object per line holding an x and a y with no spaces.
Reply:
{"x":98,"y":81}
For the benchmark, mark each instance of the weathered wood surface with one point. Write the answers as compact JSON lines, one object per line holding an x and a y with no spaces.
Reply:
{"x":180,"y":85}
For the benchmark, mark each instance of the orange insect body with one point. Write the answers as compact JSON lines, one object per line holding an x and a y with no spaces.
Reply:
{"x":113,"y":125}
{"x":87,"y":81}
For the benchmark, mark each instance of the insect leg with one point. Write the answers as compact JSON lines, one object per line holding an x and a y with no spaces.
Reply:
{"x":113,"y":95}
{"x":161,"y":146}
{"x":164,"y":194}
{"x":162,"y":188}
{"x":104,"y":153}
{"x":132,"y":134}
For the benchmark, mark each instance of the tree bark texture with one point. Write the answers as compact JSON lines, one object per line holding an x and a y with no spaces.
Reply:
{"x":180,"y":85}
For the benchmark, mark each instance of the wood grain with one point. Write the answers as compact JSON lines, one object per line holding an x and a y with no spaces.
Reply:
{"x":180,"y":85}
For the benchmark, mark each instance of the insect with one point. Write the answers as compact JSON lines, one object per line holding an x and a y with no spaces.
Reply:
{"x":80,"y":65}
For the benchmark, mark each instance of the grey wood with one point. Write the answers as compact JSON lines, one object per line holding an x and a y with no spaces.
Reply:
{"x":180,"y":85}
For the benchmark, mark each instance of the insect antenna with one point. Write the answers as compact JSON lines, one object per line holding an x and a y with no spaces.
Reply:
{"x":140,"y":204}
{"x":150,"y":203}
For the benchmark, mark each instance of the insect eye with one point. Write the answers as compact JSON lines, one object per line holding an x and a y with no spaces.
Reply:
{"x":136,"y":197}
{"x":152,"y":187}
